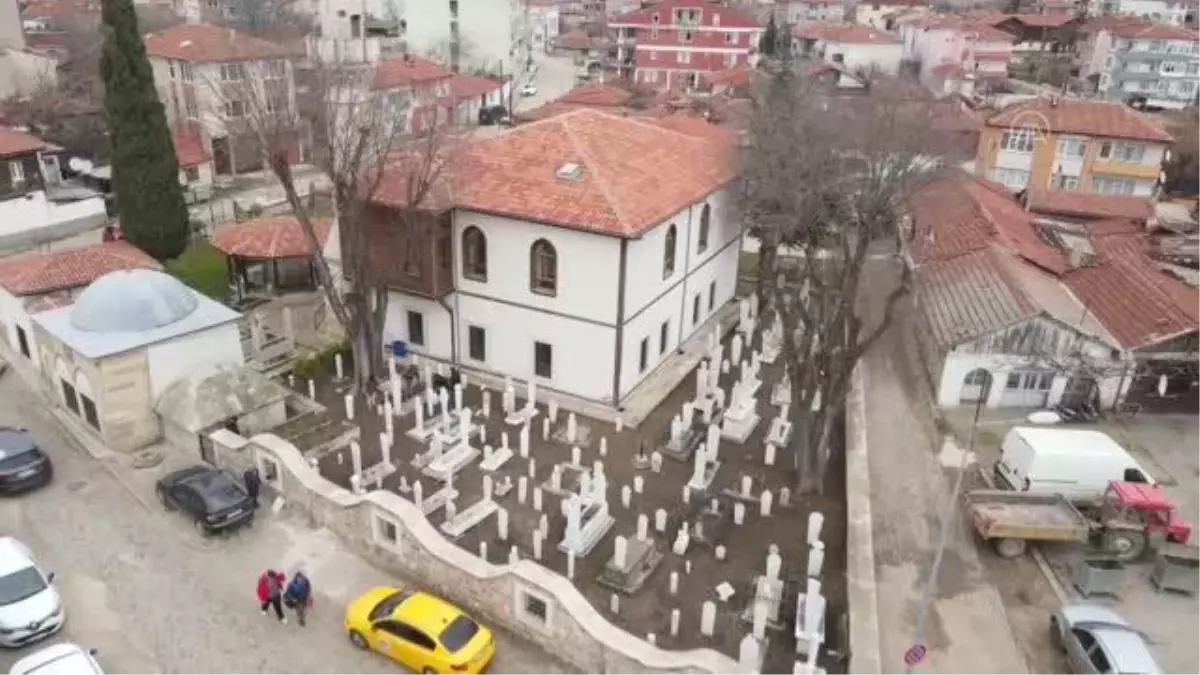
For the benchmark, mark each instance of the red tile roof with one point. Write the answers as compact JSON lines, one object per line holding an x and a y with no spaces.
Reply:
{"x":729,"y":18}
{"x":1033,"y":20}
{"x":200,"y":42}
{"x":471,"y":86}
{"x":269,"y":238}
{"x":1089,"y":205}
{"x":1136,"y":28}
{"x":695,"y":125}
{"x":848,"y":33}
{"x":969,"y":296}
{"x":629,"y":174}
{"x":980,"y":29}
{"x":409,"y":71}
{"x":19,"y":143}
{"x":737,"y":76}
{"x":39,"y":273}
{"x":1102,"y":119}
{"x":189,"y":150}
{"x":597,"y":94}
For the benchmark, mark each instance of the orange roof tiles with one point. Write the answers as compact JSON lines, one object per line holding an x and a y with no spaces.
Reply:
{"x":199,"y":42}
{"x":585,"y":170}
{"x":189,"y":150}
{"x":470,"y":86}
{"x":1089,"y":205}
{"x":269,"y":238}
{"x":408,"y":70}
{"x":1033,"y":20}
{"x":849,"y":33}
{"x":950,"y":22}
{"x":39,"y":273}
{"x":1103,"y":119}
{"x":14,"y":142}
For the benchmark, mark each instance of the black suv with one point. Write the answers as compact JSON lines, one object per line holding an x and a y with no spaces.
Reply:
{"x":216,"y":502}
{"x":23,"y":466}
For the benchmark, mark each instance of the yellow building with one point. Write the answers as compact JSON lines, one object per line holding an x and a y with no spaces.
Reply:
{"x":1061,"y":144}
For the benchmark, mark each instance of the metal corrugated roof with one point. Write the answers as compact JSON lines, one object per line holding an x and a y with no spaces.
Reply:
{"x":969,"y":296}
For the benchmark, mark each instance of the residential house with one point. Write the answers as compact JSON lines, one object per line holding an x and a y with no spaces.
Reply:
{"x":937,"y":40}
{"x":1038,"y":33}
{"x":852,"y":46}
{"x":1150,"y":64}
{"x":195,"y":166}
{"x":354,"y":32}
{"x":1072,"y":144}
{"x":413,"y":86}
{"x":676,"y":43}
{"x":210,"y":79}
{"x":33,"y":208}
{"x":34,"y":282}
{"x":798,"y":12}
{"x":1015,"y":309}
{"x":881,"y":15}
{"x":1174,"y":12}
{"x":579,"y":251}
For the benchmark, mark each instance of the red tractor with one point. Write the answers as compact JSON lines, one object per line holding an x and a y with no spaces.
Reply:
{"x":1134,"y":518}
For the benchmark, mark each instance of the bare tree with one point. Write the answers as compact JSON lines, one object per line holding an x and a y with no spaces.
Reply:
{"x":826,"y":177}
{"x":359,"y":138}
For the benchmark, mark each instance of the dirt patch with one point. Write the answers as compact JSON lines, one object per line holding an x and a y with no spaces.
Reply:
{"x":649,"y":609}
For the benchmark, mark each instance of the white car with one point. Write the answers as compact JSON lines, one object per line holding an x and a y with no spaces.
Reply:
{"x":63,"y":658}
{"x":30,"y":609}
{"x":529,"y":90}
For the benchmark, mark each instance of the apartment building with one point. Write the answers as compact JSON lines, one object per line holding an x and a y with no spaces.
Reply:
{"x":491,"y":36}
{"x":1153,"y":64}
{"x":676,"y":43}
{"x":882,"y":14}
{"x":937,"y":42}
{"x":1061,"y":144}
{"x":799,"y":12}
{"x":208,"y":78}
{"x":854,"y":47}
{"x":1174,"y":12}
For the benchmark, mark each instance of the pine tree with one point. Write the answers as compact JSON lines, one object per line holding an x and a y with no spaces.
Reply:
{"x":766,"y":43}
{"x":153,"y":214}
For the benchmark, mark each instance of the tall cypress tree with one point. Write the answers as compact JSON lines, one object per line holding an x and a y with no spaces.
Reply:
{"x":153,"y":214}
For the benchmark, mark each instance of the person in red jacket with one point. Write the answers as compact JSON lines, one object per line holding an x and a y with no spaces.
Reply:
{"x":270,"y":593}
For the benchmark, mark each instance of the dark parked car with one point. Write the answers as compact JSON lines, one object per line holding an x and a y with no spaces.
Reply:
{"x":215,"y":501}
{"x":23,"y":466}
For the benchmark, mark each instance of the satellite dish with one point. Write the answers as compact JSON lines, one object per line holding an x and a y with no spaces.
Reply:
{"x":79,"y":165}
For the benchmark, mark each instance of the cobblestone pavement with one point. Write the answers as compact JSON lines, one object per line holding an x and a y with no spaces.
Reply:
{"x":143,"y":588}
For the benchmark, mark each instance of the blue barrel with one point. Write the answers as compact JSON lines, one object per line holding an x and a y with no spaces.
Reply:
{"x":399,"y":349}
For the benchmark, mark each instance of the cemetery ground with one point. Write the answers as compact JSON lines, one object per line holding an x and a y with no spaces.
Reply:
{"x":725,"y":550}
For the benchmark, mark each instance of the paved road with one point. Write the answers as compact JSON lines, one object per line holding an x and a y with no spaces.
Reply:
{"x":555,"y":77}
{"x":146,"y":591}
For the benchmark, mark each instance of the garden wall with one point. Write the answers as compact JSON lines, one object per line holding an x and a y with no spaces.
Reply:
{"x":525,"y":598}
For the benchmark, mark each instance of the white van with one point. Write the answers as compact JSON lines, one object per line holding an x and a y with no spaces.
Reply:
{"x":1076,"y":463}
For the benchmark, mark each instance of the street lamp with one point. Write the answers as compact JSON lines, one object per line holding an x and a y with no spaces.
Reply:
{"x":918,"y":649}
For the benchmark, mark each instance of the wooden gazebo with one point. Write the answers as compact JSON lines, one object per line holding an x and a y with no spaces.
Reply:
{"x":269,"y":256}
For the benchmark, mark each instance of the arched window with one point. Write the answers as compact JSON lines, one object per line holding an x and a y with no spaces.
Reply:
{"x":702,"y":239}
{"x":669,"y":253}
{"x":474,"y":246}
{"x":543,"y":268}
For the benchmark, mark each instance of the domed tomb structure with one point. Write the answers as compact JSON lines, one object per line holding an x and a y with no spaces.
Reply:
{"x":128,"y":336}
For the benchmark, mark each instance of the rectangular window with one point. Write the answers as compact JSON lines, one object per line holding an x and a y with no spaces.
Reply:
{"x":477,"y":343}
{"x":1061,"y":182}
{"x":185,"y":69}
{"x":1132,"y":153}
{"x":543,"y":360}
{"x":1018,"y":140}
{"x":662,"y":337}
{"x":416,"y":328}
{"x":1013,"y":179}
{"x":89,"y":412}
{"x":696,"y":310}
{"x":643,"y":355}
{"x":730,"y":38}
{"x":684,"y":56}
{"x":712,"y":295}
{"x":192,"y":174}
{"x":235,"y":109}
{"x":23,"y":343}
{"x":232,"y":72}
{"x":16,"y":170}
{"x":1072,"y":147}
{"x":1112,"y":185}
{"x":1106,"y":149}
{"x":70,"y":397}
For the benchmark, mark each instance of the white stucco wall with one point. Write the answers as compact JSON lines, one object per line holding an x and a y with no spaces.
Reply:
{"x":885,"y":57}
{"x":436,"y":319}
{"x":196,"y":355}
{"x":957,"y":366}
{"x":12,"y":315}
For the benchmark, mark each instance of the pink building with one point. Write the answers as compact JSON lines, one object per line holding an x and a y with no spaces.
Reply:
{"x":677,"y":43}
{"x":936,"y":42}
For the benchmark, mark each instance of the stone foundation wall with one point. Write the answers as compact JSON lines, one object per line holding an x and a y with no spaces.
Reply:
{"x":394,"y":535}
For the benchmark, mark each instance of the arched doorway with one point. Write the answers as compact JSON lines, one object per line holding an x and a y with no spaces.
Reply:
{"x":975,"y":387}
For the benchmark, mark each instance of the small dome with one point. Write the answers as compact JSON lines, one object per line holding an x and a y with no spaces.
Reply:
{"x":130,"y":301}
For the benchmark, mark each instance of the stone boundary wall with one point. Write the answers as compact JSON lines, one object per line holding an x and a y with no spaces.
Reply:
{"x":860,"y":548}
{"x":394,"y":534}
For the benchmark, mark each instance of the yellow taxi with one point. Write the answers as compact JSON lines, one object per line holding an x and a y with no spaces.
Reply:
{"x":420,"y":631}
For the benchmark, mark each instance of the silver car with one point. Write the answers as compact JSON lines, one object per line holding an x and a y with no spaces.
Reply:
{"x":30,"y":608}
{"x":1097,"y":640}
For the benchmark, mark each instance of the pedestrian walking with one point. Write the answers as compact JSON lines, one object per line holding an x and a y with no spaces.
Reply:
{"x":253,"y":482}
{"x":298,"y":596}
{"x":270,"y":593}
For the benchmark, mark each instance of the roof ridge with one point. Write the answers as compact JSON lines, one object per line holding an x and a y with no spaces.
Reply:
{"x":579,"y":146}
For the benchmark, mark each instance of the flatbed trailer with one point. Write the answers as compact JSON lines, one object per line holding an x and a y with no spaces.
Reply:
{"x":1012,"y":519}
